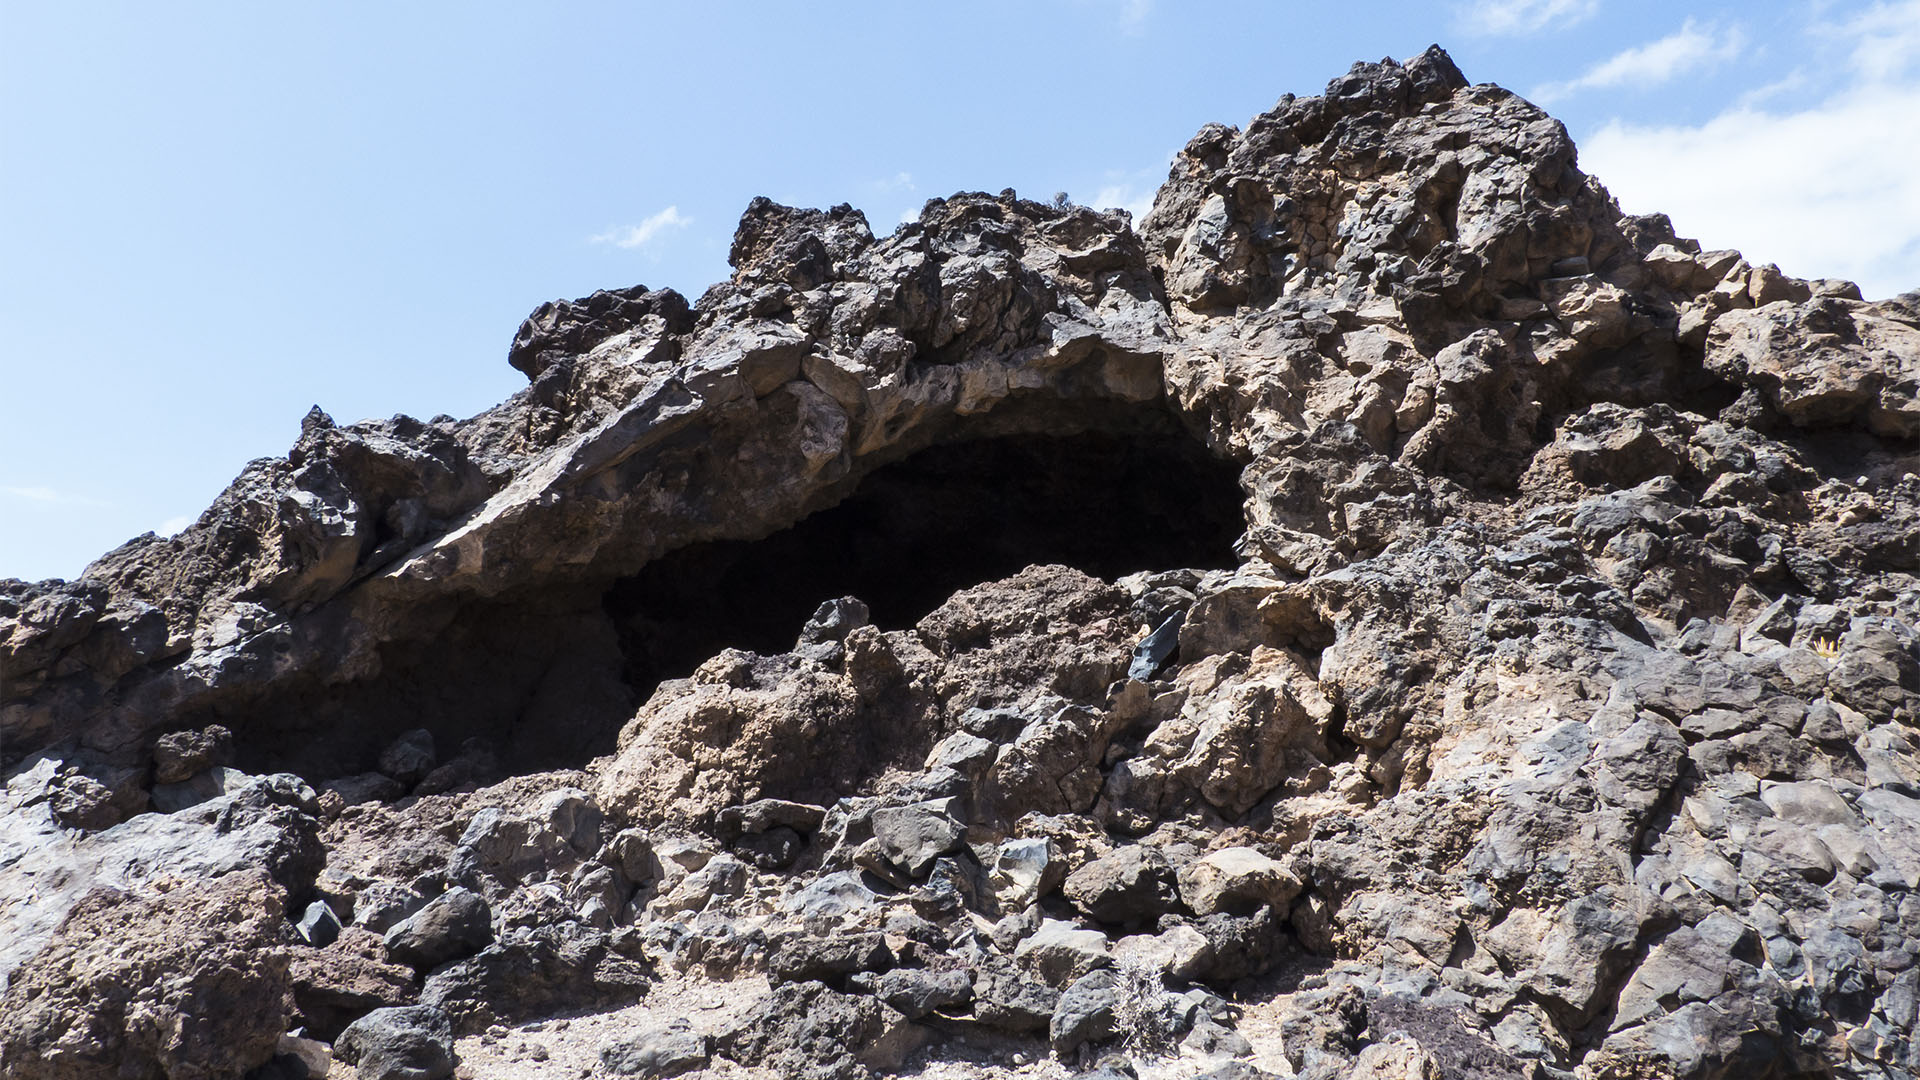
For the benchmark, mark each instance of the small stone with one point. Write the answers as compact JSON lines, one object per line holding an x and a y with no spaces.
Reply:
{"x":1156,"y":648}
{"x":409,"y":757}
{"x":178,"y":755}
{"x":318,"y":925}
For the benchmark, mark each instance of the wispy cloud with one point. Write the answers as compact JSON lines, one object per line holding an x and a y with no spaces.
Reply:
{"x":1130,"y":16}
{"x":174,"y":524}
{"x":1502,"y":18}
{"x":900,"y":181}
{"x":1825,"y":189}
{"x":1692,"y":47}
{"x":1886,"y":40}
{"x":1134,"y":200}
{"x":635,"y":236}
{"x":49,"y":496}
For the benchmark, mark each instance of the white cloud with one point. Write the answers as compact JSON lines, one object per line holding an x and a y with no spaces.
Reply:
{"x":1692,"y":47}
{"x":1127,"y":197}
{"x":898,"y":182}
{"x":1832,"y":190}
{"x":1829,"y":189}
{"x":1500,"y":18}
{"x":174,"y":524}
{"x":633,"y":236}
{"x":1886,"y":40}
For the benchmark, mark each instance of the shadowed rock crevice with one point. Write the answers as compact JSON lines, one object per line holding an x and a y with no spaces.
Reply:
{"x":549,"y":676}
{"x":922,"y":529}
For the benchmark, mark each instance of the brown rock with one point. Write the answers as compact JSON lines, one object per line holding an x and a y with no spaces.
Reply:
{"x":184,"y":981}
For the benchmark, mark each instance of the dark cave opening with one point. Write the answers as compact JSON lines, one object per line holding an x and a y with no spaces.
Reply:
{"x":919,"y":530}
{"x":548,"y":676}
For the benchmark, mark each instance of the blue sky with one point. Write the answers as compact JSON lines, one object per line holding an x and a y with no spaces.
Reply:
{"x":213,"y":216}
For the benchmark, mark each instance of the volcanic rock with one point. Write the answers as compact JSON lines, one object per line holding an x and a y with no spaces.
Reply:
{"x":1471,"y":626}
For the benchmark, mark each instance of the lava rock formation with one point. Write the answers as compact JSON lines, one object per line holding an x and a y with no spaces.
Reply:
{"x":1386,"y":614}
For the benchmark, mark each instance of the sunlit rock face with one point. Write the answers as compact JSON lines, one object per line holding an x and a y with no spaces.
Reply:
{"x":1386,"y":613}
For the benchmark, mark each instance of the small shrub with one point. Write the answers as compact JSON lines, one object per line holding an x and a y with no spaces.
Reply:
{"x":1146,"y":1015}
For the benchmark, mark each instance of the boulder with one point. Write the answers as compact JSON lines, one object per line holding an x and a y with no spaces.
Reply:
{"x":915,"y":992}
{"x":1088,"y":1012}
{"x":1060,"y":952}
{"x":1236,"y":880}
{"x":911,"y":837}
{"x":183,"y":982}
{"x":1129,"y":886}
{"x":654,"y":1053}
{"x":179,"y":755}
{"x":455,"y":924}
{"x":410,"y":1043}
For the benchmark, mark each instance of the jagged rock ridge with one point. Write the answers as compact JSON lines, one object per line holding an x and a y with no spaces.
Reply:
{"x":1545,"y":707}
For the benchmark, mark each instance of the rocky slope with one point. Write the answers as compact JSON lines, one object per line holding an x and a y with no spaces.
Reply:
{"x":1386,"y":614}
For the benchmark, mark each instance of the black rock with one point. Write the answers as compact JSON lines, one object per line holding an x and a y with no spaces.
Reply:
{"x":410,"y":1043}
{"x":1088,"y":1012}
{"x":454,"y":924}
{"x":1156,"y":648}
{"x":318,"y":925}
{"x":803,"y":957}
{"x":915,"y":992}
{"x":409,"y":757}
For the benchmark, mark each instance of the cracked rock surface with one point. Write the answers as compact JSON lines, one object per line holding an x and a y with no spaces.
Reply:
{"x":1387,"y":613}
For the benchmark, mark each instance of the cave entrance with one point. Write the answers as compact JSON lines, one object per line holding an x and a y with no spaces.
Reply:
{"x":917,"y":531}
{"x":548,"y":676}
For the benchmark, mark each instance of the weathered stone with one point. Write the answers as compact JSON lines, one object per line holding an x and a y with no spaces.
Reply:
{"x":1022,"y":872}
{"x":184,"y":982}
{"x":409,"y":757}
{"x":1004,"y":999}
{"x":410,"y":1043}
{"x":803,"y":958}
{"x":1060,"y":952}
{"x":1131,"y":885}
{"x":1087,"y":1012}
{"x":911,"y":837}
{"x":670,"y":1050}
{"x":178,"y":755}
{"x":454,"y":924}
{"x":916,"y":992}
{"x":1236,"y":880}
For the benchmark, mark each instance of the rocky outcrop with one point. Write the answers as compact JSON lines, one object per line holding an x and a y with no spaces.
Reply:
{"x":1386,"y":613}
{"x":187,"y":980}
